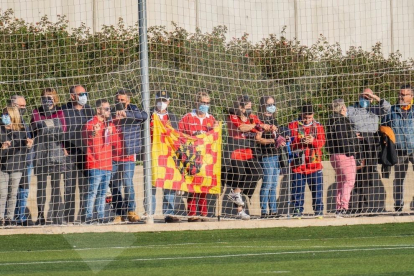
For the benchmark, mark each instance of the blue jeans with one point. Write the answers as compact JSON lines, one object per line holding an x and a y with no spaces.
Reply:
{"x":315,"y":182}
{"x":98,"y":185}
{"x":23,"y":194}
{"x":167,"y":203}
{"x":122,"y":177}
{"x":271,"y":171}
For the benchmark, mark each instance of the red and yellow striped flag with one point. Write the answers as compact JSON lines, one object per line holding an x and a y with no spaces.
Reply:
{"x":186,"y":163}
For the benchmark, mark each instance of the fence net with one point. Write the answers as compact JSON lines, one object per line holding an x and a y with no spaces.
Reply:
{"x":258,"y":109}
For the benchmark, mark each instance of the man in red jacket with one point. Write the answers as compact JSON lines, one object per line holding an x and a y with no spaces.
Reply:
{"x":196,"y":122}
{"x":97,"y":134}
{"x":308,"y":138}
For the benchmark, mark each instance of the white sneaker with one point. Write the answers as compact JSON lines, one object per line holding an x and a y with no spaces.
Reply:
{"x":339,"y":214}
{"x":242,"y":215}
{"x":236,"y":198}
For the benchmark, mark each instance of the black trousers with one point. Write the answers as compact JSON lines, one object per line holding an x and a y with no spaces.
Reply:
{"x":244,"y":174}
{"x":75,"y":172}
{"x":367,"y":175}
{"x":56,"y":199}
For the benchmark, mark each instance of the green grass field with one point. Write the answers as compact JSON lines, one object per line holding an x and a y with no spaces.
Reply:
{"x":386,"y":249}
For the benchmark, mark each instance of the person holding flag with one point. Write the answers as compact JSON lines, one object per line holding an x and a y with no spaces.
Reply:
{"x":196,"y":122}
{"x":162,"y":101}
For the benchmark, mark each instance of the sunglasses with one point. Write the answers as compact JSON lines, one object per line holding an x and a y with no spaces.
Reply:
{"x":47,"y":100}
{"x":82,"y":94}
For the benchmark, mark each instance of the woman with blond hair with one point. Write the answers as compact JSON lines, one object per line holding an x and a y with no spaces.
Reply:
{"x":14,"y":145}
{"x":48,"y":124}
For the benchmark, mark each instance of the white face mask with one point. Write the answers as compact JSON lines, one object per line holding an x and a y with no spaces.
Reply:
{"x":161,"y":106}
{"x":82,"y":100}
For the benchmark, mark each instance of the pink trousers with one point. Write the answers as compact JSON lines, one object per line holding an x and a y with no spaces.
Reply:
{"x":345,"y":169}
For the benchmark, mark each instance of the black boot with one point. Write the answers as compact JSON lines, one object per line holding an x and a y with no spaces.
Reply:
{"x":40,"y":219}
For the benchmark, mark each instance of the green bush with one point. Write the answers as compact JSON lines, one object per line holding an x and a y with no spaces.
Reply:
{"x":48,"y":54}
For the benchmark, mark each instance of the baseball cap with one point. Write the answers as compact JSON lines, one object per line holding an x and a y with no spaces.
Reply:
{"x":162,"y":95}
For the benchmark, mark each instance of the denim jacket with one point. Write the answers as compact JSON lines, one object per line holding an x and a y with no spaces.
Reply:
{"x":403,"y":127}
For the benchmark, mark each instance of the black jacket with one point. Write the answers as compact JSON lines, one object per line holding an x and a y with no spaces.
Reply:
{"x":388,"y":154}
{"x":340,"y":137}
{"x":13,"y":159}
{"x":269,"y":149}
{"x":75,"y":120}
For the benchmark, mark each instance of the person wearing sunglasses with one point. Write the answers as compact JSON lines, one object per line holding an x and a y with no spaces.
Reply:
{"x":197,"y":122}
{"x":128,"y":120}
{"x":401,"y":120}
{"x":48,"y":124}
{"x":14,"y":145}
{"x":98,"y":138}
{"x":77,"y":112}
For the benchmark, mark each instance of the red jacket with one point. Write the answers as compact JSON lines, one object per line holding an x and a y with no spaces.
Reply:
{"x":191,"y":124}
{"x":313,"y":152}
{"x":98,"y":146}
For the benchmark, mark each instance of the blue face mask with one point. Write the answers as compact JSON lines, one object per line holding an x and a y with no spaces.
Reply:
{"x":364,"y":103}
{"x":6,"y":119}
{"x":271,"y":109}
{"x":204,"y":108}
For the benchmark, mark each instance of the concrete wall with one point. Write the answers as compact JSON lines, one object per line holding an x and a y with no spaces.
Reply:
{"x":349,"y":22}
{"x":381,"y":195}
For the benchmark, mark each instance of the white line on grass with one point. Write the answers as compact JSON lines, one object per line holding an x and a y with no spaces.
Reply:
{"x":167,"y":246}
{"x":216,"y":256}
{"x":276,"y":253}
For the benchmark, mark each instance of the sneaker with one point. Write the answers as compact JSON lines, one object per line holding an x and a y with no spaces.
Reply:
{"x":275,"y":215}
{"x":236,"y":198}
{"x":398,"y":208}
{"x":104,"y":220}
{"x":193,"y":219}
{"x":205,"y":219}
{"x":119,"y":219}
{"x":264,"y":216}
{"x":171,"y":219}
{"x":40,"y":221}
{"x":132,"y":216}
{"x":319,"y":214}
{"x":242,"y":215}
{"x":297,"y":213}
{"x":339,"y":214}
{"x":9,"y":222}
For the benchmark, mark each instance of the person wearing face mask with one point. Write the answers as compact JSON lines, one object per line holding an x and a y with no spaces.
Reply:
{"x":76,"y":112}
{"x":241,"y":167}
{"x":48,"y":124}
{"x":162,"y":101}
{"x":14,"y":145}
{"x":308,"y":139}
{"x":269,"y":157}
{"x":365,"y":118}
{"x":197,"y":122}
{"x":128,"y":120}
{"x":401,"y":121}
{"x":98,"y":135}
{"x":22,"y":212}
{"x":344,"y":147}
